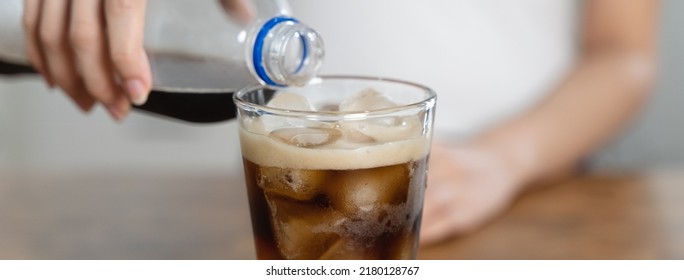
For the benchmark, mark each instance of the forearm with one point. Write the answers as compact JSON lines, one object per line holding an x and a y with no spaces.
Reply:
{"x":599,"y":97}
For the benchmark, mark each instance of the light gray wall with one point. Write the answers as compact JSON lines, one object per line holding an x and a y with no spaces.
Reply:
{"x":43,"y":130}
{"x":40,"y":129}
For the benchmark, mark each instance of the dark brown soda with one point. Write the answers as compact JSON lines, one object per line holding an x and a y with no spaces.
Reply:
{"x":333,"y":214}
{"x":187,"y":106}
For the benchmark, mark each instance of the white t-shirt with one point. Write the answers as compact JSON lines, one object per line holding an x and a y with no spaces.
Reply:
{"x":486,"y":59}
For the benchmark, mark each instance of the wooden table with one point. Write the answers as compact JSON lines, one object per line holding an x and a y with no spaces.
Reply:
{"x":128,"y":215}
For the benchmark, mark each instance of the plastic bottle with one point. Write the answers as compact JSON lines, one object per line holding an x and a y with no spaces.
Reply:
{"x":195,"y":45}
{"x":199,"y":55}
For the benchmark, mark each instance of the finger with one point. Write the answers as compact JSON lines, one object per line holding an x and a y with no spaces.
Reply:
{"x":239,"y":9}
{"x":119,"y":108}
{"x":125,"y":20}
{"x":433,"y":222}
{"x":31,"y":20}
{"x":57,"y":54}
{"x":431,"y":213}
{"x":84,"y":101}
{"x":441,"y":215}
{"x":436,"y":231}
{"x":87,"y":38}
{"x":451,"y":221}
{"x":439,"y":196}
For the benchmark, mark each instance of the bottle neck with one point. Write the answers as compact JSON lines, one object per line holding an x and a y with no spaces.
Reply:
{"x":286,"y":52}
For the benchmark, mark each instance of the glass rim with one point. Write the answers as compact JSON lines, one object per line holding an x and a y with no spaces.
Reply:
{"x":427,"y":102}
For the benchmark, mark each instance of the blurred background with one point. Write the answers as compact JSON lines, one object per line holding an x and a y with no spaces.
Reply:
{"x":45,"y":140}
{"x":41,"y":129}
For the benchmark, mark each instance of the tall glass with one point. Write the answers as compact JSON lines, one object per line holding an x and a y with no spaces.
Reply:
{"x":336,"y":169}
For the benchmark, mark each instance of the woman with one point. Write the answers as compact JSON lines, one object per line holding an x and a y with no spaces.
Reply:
{"x":526,"y":89}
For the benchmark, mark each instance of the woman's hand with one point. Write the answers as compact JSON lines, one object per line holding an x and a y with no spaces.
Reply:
{"x":92,"y":49}
{"x":467,"y":187}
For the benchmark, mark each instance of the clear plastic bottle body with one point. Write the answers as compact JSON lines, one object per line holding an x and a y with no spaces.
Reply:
{"x":199,"y":55}
{"x":195,"y":47}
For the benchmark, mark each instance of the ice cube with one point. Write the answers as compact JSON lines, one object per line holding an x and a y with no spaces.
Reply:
{"x":329,"y":107}
{"x":390,"y":129}
{"x":264,"y":124}
{"x":358,"y":192}
{"x":351,"y":132}
{"x":379,"y":129}
{"x":306,"y":137}
{"x":292,"y":183}
{"x":302,"y":230}
{"x":254,"y":125}
{"x":367,"y":100}
{"x":348,"y":249}
{"x":290,"y":101}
